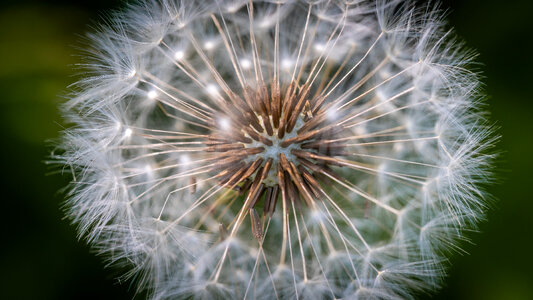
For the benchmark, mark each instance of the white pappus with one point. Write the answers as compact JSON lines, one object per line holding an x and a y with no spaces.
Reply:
{"x":311,"y":149}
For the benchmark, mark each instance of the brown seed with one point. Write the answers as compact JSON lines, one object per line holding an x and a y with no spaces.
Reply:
{"x":192,"y":184}
{"x":311,"y":181}
{"x":223,"y":231}
{"x":257,"y":225}
{"x":268,"y":194}
{"x":298,"y":108}
{"x":276,"y":104}
{"x":268,"y":125}
{"x":273,"y":200}
{"x":224,"y":147}
{"x":245,"y":186}
{"x":260,"y":190}
{"x":283,"y":187}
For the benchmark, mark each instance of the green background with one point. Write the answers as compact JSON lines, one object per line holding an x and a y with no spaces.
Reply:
{"x":40,"y":257}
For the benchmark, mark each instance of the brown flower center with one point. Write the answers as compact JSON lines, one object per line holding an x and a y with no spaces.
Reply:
{"x":273,"y":145}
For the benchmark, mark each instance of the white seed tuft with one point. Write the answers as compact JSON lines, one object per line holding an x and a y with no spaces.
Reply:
{"x":263,"y":149}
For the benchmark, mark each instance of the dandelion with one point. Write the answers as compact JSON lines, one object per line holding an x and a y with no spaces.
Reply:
{"x":277,"y":149}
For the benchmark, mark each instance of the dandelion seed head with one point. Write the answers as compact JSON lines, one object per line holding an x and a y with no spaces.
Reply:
{"x":277,"y":149}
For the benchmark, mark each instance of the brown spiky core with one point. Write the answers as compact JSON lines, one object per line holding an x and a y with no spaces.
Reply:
{"x":271,"y":144}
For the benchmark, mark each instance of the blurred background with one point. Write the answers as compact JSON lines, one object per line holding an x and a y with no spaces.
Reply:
{"x":40,"y":256}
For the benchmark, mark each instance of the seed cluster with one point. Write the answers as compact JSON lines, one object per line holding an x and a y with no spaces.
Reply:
{"x":266,"y":149}
{"x":274,"y":144}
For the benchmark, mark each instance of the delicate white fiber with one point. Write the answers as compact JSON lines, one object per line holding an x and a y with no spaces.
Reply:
{"x":387,"y":206}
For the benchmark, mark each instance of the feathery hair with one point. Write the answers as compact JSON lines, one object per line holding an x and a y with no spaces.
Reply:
{"x":305,"y":149}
